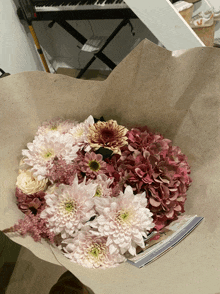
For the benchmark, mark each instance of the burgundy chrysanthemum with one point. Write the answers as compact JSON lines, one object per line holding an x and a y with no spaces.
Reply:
{"x":150,"y":163}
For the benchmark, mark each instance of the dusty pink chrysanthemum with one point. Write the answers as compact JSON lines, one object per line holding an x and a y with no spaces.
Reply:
{"x":91,"y":251}
{"x":69,"y":207}
{"x":123,"y":220}
{"x":150,"y":163}
{"x":56,"y":124}
{"x":92,"y":165}
{"x":108,"y":135}
{"x":45,"y":148}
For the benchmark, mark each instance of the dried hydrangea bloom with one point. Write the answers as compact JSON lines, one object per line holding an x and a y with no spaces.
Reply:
{"x":56,"y":124}
{"x":91,"y":251}
{"x":108,"y":135}
{"x":69,"y":207}
{"x":150,"y":163}
{"x":44,"y":149}
{"x":123,"y":220}
{"x":33,"y":203}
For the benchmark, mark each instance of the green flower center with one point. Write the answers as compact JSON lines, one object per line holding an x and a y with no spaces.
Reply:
{"x":69,"y":206}
{"x":94,"y":165}
{"x":53,"y":128}
{"x":98,"y":192}
{"x":124,"y":216}
{"x":97,"y":251}
{"x":47,"y":154}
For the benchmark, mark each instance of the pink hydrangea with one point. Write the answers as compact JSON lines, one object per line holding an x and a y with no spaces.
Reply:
{"x":150,"y":163}
{"x":30,"y":202}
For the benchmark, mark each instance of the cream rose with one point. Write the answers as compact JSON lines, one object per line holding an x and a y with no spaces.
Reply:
{"x":28,"y":184}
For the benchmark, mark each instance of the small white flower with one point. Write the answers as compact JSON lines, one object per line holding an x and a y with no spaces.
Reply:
{"x":124,"y":220}
{"x":69,"y":207}
{"x":28,"y":184}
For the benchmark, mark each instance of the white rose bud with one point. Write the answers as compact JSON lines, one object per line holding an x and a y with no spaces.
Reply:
{"x":28,"y":184}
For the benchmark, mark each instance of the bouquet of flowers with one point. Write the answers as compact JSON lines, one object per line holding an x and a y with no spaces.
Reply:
{"x":96,"y":189}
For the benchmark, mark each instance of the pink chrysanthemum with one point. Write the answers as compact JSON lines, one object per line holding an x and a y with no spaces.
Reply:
{"x":44,"y":149}
{"x":123,"y":220}
{"x":91,"y":251}
{"x":80,"y":133}
{"x":56,"y":124}
{"x":103,"y":183}
{"x":69,"y":207}
{"x":150,"y":163}
{"x":92,"y":165}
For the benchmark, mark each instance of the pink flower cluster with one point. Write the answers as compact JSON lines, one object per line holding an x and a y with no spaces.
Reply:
{"x":35,"y":226}
{"x":150,"y":163}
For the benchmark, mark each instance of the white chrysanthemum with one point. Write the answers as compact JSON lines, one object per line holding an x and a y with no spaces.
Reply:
{"x":69,"y":207}
{"x":28,"y":184}
{"x":42,"y":151}
{"x":56,"y":124}
{"x":124,"y":220}
{"x":103,"y":183}
{"x":80,"y":132}
{"x":91,"y":251}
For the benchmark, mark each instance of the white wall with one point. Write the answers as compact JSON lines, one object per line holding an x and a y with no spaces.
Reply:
{"x":18,"y":51}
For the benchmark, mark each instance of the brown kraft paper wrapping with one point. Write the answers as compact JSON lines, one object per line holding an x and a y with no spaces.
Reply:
{"x":176,"y":96}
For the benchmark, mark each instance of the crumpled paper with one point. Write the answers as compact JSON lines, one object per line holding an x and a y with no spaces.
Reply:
{"x":176,"y":96}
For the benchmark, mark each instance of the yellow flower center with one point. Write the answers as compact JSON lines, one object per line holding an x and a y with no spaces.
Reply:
{"x":69,"y":206}
{"x":48,"y":154}
{"x":96,"y":251}
{"x":124,"y":216}
{"x":94,"y":165}
{"x":79,"y":132}
{"x":53,"y":128}
{"x":98,"y":192}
